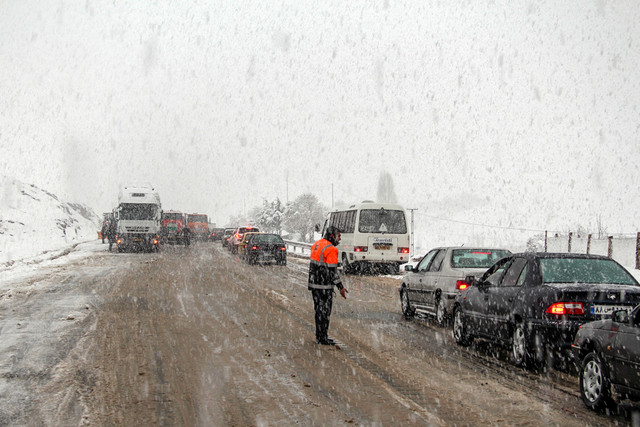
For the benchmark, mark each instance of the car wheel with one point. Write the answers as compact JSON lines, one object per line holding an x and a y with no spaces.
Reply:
{"x":460,"y":328}
{"x":441,"y":311}
{"x":346,"y":267}
{"x":519,"y":350}
{"x":595,"y":387}
{"x":407,"y":310}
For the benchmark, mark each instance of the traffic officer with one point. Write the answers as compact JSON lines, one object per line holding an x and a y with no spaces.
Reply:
{"x":323,"y":276}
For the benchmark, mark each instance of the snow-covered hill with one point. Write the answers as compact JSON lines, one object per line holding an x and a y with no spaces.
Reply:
{"x":34,"y":222}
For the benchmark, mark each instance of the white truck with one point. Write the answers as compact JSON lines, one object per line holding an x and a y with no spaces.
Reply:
{"x":138,"y":215}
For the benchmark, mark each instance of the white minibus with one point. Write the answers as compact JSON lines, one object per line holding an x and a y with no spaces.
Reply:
{"x":375,"y":237}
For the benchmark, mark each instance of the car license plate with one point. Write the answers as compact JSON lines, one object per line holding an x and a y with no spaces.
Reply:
{"x":382,"y":247}
{"x":603,"y":310}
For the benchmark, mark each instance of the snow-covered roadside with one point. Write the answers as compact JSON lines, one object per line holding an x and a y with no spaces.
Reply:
{"x":35,"y":222}
{"x":24,"y":268}
{"x":38,"y":229}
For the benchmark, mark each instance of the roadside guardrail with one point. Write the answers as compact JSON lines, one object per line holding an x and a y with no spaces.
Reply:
{"x":298,"y":249}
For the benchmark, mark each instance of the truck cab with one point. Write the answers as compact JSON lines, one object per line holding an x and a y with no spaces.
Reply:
{"x":138,"y":215}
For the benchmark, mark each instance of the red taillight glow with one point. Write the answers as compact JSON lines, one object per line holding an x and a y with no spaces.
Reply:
{"x":284,"y":248}
{"x":238,"y":236}
{"x":360,"y":248}
{"x":561,"y":308}
{"x":403,"y":250}
{"x":461,"y":285}
{"x":254,"y":248}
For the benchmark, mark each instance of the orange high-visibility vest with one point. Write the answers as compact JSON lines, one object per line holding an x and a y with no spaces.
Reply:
{"x":323,"y":266}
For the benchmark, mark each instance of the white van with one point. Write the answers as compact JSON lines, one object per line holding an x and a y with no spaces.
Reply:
{"x":375,"y":236}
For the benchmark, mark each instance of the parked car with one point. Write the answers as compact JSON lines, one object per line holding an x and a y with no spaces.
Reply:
{"x":243,"y":245}
{"x":608,"y":355}
{"x":432,"y":285}
{"x":265,"y":247}
{"x":236,"y":237}
{"x":216,"y":234}
{"x":226,"y":236}
{"x":535,"y":302}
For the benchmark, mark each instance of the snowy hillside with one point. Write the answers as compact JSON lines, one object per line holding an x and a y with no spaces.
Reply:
{"x":34,"y":221}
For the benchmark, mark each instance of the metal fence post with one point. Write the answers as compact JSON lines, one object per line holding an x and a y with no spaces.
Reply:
{"x":638,"y":251}
{"x":589,"y":244}
{"x":610,"y":249}
{"x":569,"y":244}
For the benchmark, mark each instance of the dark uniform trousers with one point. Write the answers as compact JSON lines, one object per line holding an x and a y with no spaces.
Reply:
{"x":322,"y":303}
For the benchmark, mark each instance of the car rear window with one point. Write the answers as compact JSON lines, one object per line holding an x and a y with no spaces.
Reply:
{"x":584,"y":270}
{"x":243,"y":230}
{"x":172,"y":216}
{"x":476,"y":258}
{"x":267,"y":238}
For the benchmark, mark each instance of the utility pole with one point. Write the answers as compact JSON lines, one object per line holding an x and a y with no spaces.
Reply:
{"x":412,"y":239}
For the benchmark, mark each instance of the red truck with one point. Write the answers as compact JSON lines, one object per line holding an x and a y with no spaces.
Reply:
{"x":173,"y":223}
{"x":199,"y":226}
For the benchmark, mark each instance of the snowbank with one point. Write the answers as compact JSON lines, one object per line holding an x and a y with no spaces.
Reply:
{"x":34,"y":221}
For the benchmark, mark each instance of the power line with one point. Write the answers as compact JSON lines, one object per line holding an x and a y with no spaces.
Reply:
{"x":488,"y":225}
{"x":513,"y":228}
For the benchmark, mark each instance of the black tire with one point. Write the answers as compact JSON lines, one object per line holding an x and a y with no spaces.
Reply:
{"x":460,"y":328}
{"x":441,"y":310}
{"x":405,"y":304}
{"x":595,"y":385}
{"x":346,"y":267}
{"x":520,"y":354}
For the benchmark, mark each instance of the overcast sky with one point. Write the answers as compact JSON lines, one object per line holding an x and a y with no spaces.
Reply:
{"x":511,"y":113}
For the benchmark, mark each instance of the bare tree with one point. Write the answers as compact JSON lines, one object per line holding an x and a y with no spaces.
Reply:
{"x":386,"y":192}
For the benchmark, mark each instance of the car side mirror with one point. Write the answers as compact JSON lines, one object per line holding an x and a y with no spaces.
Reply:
{"x":408,"y":267}
{"x":483,"y":285}
{"x":620,"y":316}
{"x":471,"y":280}
{"x":317,"y":228}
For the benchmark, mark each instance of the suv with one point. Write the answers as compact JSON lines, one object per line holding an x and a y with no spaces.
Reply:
{"x":235,"y":239}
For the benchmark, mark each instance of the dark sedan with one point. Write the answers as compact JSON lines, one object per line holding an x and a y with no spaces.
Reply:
{"x":608,"y":353}
{"x":265,"y":247}
{"x":535,"y":302}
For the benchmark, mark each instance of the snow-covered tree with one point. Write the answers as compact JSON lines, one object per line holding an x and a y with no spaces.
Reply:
{"x":268,"y":217}
{"x":302,"y":215}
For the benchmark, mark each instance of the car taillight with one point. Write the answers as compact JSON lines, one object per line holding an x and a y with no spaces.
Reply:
{"x":461,"y":285}
{"x":561,"y":308}
{"x":360,"y":248}
{"x":254,"y":248}
{"x":403,"y":250}
{"x":283,"y":248}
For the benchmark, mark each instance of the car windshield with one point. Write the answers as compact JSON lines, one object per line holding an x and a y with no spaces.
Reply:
{"x":382,"y":221}
{"x":584,"y":270}
{"x":267,"y":238}
{"x":476,"y":258}
{"x":137,"y":211}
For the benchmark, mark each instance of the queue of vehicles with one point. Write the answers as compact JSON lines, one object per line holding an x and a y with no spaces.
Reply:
{"x":139,"y":224}
{"x":544,"y":307}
